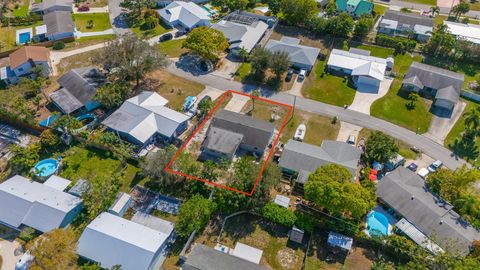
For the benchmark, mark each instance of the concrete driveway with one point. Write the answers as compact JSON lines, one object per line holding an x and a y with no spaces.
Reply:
{"x":347,"y":129}
{"x":296,"y":89}
{"x":228,"y":69}
{"x":237,"y":103}
{"x":364,"y":98}
{"x":214,"y":93}
{"x":7,"y":251}
{"x":117,"y":17}
{"x":441,"y":126}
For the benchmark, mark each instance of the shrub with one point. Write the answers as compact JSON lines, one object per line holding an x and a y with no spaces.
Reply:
{"x":27,"y":234}
{"x":401,"y":45}
{"x":278,"y":214}
{"x":58,"y":45}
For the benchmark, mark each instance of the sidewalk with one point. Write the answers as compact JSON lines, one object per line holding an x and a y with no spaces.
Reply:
{"x":79,"y":34}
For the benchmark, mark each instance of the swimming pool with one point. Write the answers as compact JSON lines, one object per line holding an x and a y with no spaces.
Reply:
{"x":46,"y":167}
{"x":23,"y":37}
{"x":377,"y":224}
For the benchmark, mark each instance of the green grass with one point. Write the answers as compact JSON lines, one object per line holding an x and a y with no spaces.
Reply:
{"x":172,"y":48}
{"x":475,"y":6}
{"x":101,"y":21}
{"x":22,"y":10}
{"x":319,"y":128}
{"x":377,"y":51}
{"x":453,"y":139}
{"x":243,"y":71}
{"x":424,"y":2}
{"x":87,"y":41}
{"x":379,"y":9}
{"x":175,"y":89}
{"x":148,"y":33}
{"x":38,"y":1}
{"x":8,"y":36}
{"x":327,"y":88}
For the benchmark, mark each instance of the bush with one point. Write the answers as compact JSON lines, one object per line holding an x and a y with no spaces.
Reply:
{"x":305,"y":221}
{"x":58,"y":45}
{"x":27,"y":234}
{"x":278,"y":214}
{"x":401,"y":45}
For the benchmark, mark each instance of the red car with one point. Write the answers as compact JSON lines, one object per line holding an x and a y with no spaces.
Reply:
{"x":83,"y":8}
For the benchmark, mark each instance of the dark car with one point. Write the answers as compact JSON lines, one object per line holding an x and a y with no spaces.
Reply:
{"x":83,"y":8}
{"x":180,"y":33}
{"x":289,"y":75}
{"x":412,"y":167}
{"x":205,"y":98}
{"x":165,"y":37}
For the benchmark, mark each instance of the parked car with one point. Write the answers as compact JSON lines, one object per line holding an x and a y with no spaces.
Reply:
{"x":351,"y":140}
{"x":83,"y":9}
{"x":289,"y":75}
{"x":437,"y":164}
{"x":302,"y":74}
{"x":300,"y":133}
{"x":180,"y":33}
{"x":189,"y":102}
{"x":412,"y":167}
{"x":167,"y":36}
{"x":423,"y":172}
{"x":415,"y":149}
{"x":207,"y":97}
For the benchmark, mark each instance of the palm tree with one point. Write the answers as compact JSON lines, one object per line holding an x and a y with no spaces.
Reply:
{"x":243,"y":54}
{"x":255,"y":94}
{"x":472,"y":119}
{"x":434,"y":10}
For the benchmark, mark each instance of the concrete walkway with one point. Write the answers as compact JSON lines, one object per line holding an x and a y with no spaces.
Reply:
{"x":7,"y":251}
{"x":92,"y":10}
{"x":79,"y":34}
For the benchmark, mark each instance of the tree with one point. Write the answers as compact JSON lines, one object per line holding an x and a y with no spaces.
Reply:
{"x":340,"y":25}
{"x":460,"y":9}
{"x":67,"y":123}
{"x":255,"y":94}
{"x":194,"y":214}
{"x":209,"y":171}
{"x":54,"y":250}
{"x":260,"y":60}
{"x":298,"y":12}
{"x":381,"y":147}
{"x":154,"y":165}
{"x":274,"y":6}
{"x":136,"y":6}
{"x":331,"y":188}
{"x":280,"y":63}
{"x":441,"y":43}
{"x":363,"y":26}
{"x":208,"y":43}
{"x":205,"y":106}
{"x":100,"y":195}
{"x":413,"y":98}
{"x":130,"y":58}
{"x":434,"y":11}
{"x":24,"y":158}
{"x":49,"y":139}
{"x":472,"y":120}
{"x":112,"y":95}
{"x":278,"y":214}
{"x":89,"y":24}
{"x":237,"y":4}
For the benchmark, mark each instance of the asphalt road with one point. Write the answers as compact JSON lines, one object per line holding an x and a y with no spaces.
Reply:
{"x":472,"y":13}
{"x":425,"y":144}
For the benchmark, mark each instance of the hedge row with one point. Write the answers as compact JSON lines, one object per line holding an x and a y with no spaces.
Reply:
{"x":401,"y":45}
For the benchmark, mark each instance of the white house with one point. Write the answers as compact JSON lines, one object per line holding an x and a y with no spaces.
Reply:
{"x":366,"y":71}
{"x":186,"y":15}
{"x":465,"y":31}
{"x":111,"y":240}
{"x":39,"y":206}
{"x":23,"y":60}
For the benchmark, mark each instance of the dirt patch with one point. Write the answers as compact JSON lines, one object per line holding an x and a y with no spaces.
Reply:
{"x":287,"y":258}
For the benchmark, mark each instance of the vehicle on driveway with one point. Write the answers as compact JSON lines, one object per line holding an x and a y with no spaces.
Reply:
{"x":437,"y":164}
{"x":180,"y":33}
{"x":289,"y":75}
{"x":189,"y":102}
{"x":423,"y":172}
{"x":167,"y":36}
{"x":302,"y":74}
{"x":83,"y":9}
{"x":300,"y":133}
{"x":351,"y":140}
{"x":412,"y":167}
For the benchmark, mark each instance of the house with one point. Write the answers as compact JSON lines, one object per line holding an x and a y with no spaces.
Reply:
{"x":397,"y":23}
{"x":367,"y":72}
{"x":23,"y":60}
{"x":241,"y":35}
{"x":206,"y":258}
{"x":441,"y":84}
{"x":111,"y":240}
{"x":231,"y":131}
{"x":301,"y":57}
{"x":142,"y":118}
{"x":59,"y":25}
{"x":77,"y":89}
{"x":406,"y":193}
{"x":46,"y":6}
{"x":39,"y":206}
{"x":186,"y":15}
{"x":355,"y":8}
{"x":304,"y":158}
{"x":464,"y":31}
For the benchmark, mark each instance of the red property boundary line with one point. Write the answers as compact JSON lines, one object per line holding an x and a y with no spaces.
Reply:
{"x":209,"y":115}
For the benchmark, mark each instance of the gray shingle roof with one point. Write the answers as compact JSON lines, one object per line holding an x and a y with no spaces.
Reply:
{"x":299,"y":54}
{"x":222,"y":140}
{"x":206,"y":258}
{"x":256,"y":133}
{"x":408,"y":20}
{"x":58,"y":22}
{"x":405,"y":191}
{"x":78,"y":87}
{"x":436,"y":78}
{"x":303,"y":157}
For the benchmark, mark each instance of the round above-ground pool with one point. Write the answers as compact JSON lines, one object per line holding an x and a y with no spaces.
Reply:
{"x":377,"y":224}
{"x":46,"y":167}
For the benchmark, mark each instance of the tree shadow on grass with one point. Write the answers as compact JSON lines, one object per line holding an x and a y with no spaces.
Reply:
{"x":465,"y":148}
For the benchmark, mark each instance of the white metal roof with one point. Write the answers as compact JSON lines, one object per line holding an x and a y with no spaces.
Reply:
{"x":282,"y":200}
{"x":188,"y":13}
{"x":122,"y":200}
{"x":41,"y":29}
{"x":148,"y":99}
{"x":247,"y":253}
{"x":30,"y":203}
{"x":360,"y":65}
{"x":111,"y":240}
{"x":467,"y":31}
{"x":57,"y":182}
{"x":417,"y":236}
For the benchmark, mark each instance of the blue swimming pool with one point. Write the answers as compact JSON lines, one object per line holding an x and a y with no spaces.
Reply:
{"x":377,"y":224}
{"x":46,"y":167}
{"x":23,"y":38}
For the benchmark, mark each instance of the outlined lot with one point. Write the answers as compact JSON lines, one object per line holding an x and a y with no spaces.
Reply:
{"x":169,"y":168}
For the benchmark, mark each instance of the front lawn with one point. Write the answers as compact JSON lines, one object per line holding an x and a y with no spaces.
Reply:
{"x":87,"y":41}
{"x":424,"y":2}
{"x":172,"y":48}
{"x":327,"y":88}
{"x":318,"y":128}
{"x":76,"y":61}
{"x":148,"y":33}
{"x":101,"y":22}
{"x":243,"y":71}
{"x":468,"y":151}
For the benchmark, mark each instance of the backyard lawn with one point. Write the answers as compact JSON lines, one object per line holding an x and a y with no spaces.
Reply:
{"x":172,"y":48}
{"x":22,"y":10}
{"x":327,"y":88}
{"x":101,"y":21}
{"x":469,"y":150}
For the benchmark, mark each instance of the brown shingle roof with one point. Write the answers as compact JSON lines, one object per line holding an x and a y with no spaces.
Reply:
{"x":26,"y":53}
